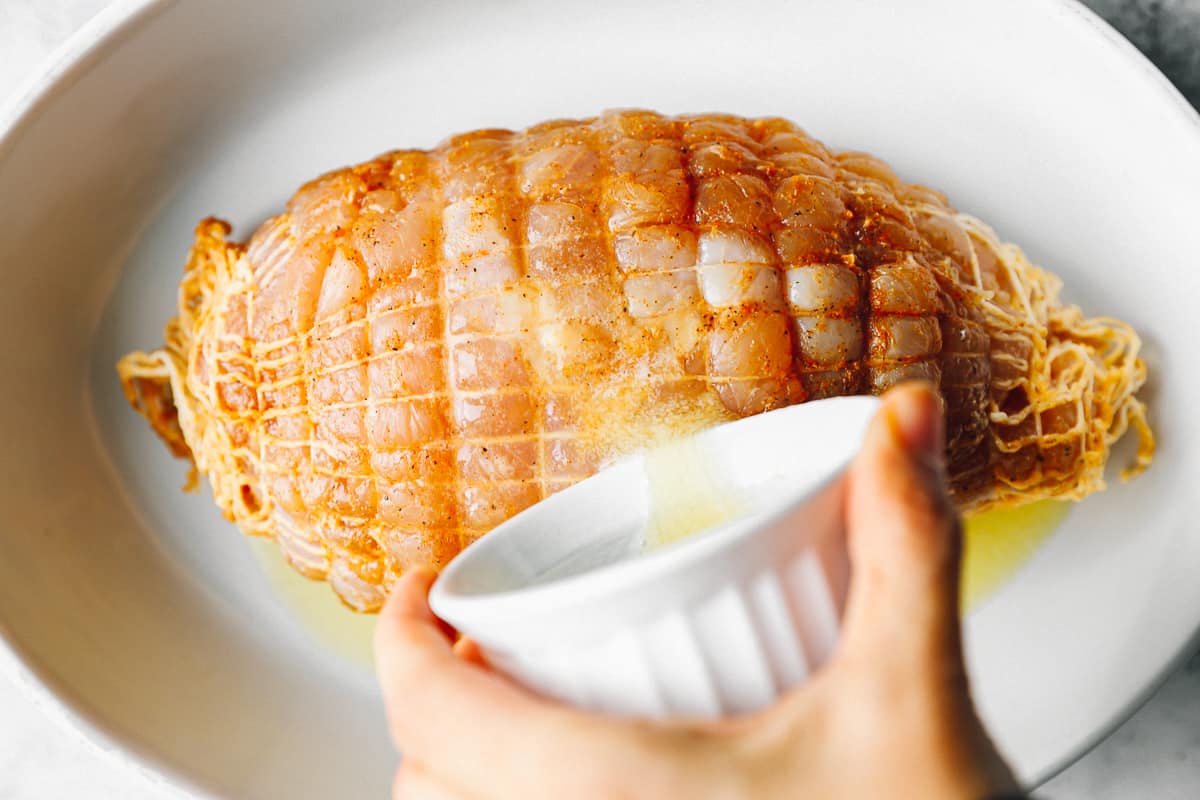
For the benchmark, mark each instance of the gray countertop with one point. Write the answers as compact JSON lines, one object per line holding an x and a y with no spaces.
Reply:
{"x":1155,"y":754}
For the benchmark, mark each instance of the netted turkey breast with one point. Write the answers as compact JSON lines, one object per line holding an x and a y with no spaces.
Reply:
{"x":425,"y":344}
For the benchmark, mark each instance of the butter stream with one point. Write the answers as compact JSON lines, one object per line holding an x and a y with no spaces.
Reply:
{"x":687,"y":493}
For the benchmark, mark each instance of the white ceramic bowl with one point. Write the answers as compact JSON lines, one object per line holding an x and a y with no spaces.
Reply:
{"x":567,"y":598}
{"x":145,"y":616}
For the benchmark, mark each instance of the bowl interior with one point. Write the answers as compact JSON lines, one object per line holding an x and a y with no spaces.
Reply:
{"x":147,"y":614}
{"x":705,"y":492}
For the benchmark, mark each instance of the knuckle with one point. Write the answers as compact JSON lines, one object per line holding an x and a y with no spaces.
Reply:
{"x":922,"y":502}
{"x":406,"y":647}
{"x":399,"y":727}
{"x":927,"y":517}
{"x":399,"y":784}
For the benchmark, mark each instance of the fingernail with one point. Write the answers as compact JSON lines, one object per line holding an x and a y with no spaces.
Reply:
{"x":916,"y":415}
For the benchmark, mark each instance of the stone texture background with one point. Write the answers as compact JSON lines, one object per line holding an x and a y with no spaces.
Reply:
{"x":1167,"y":31}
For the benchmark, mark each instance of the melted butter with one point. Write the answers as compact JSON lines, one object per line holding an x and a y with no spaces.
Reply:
{"x":635,"y":416}
{"x":687,"y":493}
{"x":329,"y":623}
{"x":997,"y":543}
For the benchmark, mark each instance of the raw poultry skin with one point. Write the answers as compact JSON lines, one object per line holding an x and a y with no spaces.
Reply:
{"x":425,"y":344}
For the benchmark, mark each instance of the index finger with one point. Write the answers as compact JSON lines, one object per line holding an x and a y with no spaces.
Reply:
{"x":474,"y":727}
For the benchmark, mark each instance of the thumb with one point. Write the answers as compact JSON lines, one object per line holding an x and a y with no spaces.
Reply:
{"x":904,"y":539}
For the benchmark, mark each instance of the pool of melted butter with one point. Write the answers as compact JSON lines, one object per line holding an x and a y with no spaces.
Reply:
{"x":330,"y":624}
{"x":997,"y":543}
{"x":687,"y":495}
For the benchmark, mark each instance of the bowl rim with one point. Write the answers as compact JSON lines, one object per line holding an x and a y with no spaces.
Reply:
{"x":664,"y":563}
{"x":61,"y":69}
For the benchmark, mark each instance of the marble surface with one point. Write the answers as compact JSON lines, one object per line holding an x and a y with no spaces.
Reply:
{"x":1155,"y":754}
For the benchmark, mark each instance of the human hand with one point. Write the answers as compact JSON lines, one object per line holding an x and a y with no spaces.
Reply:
{"x":889,"y":716}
